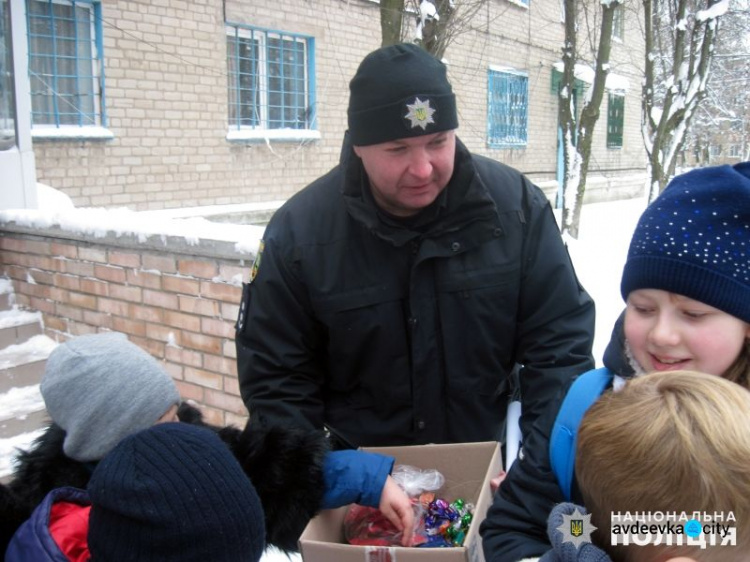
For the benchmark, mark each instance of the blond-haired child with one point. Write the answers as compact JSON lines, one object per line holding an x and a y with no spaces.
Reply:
{"x":671,"y":442}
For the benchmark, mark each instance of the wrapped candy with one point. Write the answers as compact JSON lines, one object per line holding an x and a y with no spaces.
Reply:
{"x":438,"y":523}
{"x":367,"y":526}
{"x":447,"y":524}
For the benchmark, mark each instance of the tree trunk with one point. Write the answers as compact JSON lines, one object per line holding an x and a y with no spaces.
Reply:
{"x":578,"y":156}
{"x":666,"y":119}
{"x":591,"y":111}
{"x":437,"y":33}
{"x":391,"y":18}
{"x":567,"y":116}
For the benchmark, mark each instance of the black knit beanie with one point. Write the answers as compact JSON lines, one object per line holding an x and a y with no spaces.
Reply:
{"x":174,"y":492}
{"x":694,"y":240}
{"x":400,"y":91}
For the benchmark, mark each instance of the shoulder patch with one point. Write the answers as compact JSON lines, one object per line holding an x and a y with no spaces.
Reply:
{"x":256,"y":261}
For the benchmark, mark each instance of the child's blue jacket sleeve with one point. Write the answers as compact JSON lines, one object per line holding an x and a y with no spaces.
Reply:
{"x":353,"y":476}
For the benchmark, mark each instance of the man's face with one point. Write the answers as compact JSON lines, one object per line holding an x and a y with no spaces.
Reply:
{"x":406,"y":175}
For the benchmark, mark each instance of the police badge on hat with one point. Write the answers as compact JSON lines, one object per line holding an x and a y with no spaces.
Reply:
{"x":420,"y":113}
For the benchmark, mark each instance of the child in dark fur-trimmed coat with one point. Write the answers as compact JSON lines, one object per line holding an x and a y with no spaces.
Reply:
{"x":100,"y":388}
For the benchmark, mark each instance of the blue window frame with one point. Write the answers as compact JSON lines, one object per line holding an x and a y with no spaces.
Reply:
{"x":507,"y":108}
{"x":270,"y":79}
{"x":66,"y":72}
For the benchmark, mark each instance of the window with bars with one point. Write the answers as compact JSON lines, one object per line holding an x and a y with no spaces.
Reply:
{"x":65,"y":63}
{"x":507,"y":108}
{"x":615,"y":113}
{"x":270,"y":79}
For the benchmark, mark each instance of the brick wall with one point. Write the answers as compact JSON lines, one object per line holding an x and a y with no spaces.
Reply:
{"x":177,"y":301}
{"x":166,"y":100}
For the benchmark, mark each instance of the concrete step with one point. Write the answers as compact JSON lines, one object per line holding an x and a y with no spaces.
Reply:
{"x":22,"y":413}
{"x":5,"y":300}
{"x":23,"y":354}
{"x":6,"y":294}
{"x":17,"y":326}
{"x":23,"y":364}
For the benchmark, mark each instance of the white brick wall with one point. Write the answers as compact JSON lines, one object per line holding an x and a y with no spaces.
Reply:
{"x":166,"y":102}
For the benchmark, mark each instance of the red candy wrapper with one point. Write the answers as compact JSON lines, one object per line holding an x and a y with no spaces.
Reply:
{"x":367,"y":526}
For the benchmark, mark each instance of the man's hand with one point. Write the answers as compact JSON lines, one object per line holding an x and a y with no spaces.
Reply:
{"x":497,"y":480}
{"x":396,"y":506}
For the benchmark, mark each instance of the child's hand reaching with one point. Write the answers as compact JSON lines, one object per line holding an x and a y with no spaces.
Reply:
{"x":396,"y":506}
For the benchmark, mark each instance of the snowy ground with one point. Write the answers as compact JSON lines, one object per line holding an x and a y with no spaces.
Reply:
{"x":598,"y":255}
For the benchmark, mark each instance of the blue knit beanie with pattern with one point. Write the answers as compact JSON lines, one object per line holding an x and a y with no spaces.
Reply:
{"x":174,"y":492}
{"x":694,"y":240}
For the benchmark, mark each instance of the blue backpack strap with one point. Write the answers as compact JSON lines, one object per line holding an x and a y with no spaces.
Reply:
{"x":584,"y":391}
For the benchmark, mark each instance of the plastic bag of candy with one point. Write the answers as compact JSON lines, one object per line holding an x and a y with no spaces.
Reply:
{"x":367,"y":526}
{"x":438,"y":523}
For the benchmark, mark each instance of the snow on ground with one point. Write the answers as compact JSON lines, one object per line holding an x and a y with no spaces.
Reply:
{"x":18,"y":402}
{"x":10,"y":318}
{"x":10,"y":447}
{"x":35,"y":348}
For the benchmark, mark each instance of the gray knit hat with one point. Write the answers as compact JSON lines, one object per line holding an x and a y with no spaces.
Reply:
{"x":101,"y":388}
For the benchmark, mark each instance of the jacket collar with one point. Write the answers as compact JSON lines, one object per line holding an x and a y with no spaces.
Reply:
{"x":464,"y":212}
{"x":617,"y":356}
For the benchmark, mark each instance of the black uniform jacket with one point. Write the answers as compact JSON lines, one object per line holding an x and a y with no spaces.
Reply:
{"x":404,"y":332}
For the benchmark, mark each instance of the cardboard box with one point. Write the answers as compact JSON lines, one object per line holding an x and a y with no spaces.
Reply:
{"x":467,"y":468}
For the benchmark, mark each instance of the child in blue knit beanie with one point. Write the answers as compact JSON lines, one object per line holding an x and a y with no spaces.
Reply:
{"x":686,"y":280}
{"x":686,"y":284}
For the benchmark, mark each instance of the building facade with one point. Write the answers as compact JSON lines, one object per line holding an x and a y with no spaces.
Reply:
{"x":156,"y":104}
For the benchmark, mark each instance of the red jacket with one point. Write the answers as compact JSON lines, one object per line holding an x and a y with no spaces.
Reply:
{"x":56,"y":531}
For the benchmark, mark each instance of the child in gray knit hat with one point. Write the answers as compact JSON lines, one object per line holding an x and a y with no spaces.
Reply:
{"x":101,"y":388}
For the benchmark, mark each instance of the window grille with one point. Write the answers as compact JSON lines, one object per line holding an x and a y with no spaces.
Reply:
{"x":65,"y":63}
{"x":508,"y":104}
{"x":270,"y":79}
